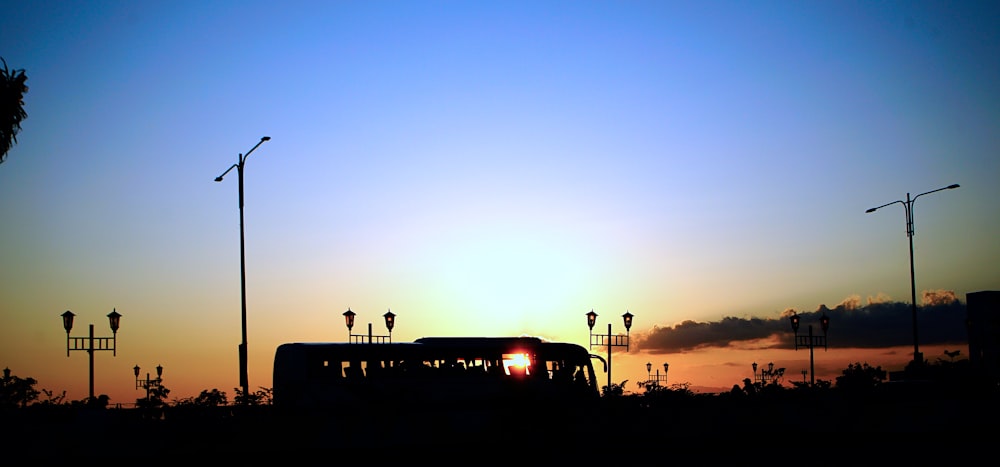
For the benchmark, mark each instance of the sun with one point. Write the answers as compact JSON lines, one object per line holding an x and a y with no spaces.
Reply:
{"x":516,"y":364}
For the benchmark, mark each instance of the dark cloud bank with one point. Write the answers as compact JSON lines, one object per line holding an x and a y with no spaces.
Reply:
{"x":940,"y":320}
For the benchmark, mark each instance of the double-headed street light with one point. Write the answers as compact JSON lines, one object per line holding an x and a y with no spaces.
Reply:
{"x":908,"y":207}
{"x":91,"y":343}
{"x":390,"y":321}
{"x":241,"y":161}
{"x":608,"y":339}
{"x":148,"y":383}
{"x":768,"y":375}
{"x":655,"y":380}
{"x":810,"y":341}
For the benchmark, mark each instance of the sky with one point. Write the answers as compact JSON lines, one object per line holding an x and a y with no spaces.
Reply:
{"x":495,"y":168}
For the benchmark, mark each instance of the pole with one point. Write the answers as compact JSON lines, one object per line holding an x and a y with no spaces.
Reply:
{"x":244,"y":377}
{"x":147,"y":388}
{"x":913,"y":284}
{"x":812,"y":362}
{"x":609,"y":358}
{"x":90,"y":350}
{"x":908,"y":207}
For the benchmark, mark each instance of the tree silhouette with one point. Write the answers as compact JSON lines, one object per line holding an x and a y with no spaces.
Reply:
{"x":157,"y":397}
{"x":17,"y":392}
{"x":861,"y":377}
{"x":12,"y":90}
{"x":261,"y":397}
{"x":213,"y":398}
{"x":615,"y":389}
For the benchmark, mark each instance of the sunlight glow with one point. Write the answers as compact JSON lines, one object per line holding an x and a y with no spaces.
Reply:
{"x":516,"y":363}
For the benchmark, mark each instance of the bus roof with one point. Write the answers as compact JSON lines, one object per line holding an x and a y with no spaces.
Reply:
{"x":467,"y":341}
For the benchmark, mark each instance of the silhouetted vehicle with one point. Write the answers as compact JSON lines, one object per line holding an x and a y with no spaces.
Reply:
{"x":437,"y":372}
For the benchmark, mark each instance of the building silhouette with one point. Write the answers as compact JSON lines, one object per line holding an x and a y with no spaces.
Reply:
{"x":983,"y":323}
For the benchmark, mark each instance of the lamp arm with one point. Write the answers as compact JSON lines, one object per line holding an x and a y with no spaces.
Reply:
{"x":933,"y":191}
{"x":219,"y":178}
{"x":884,"y":205}
{"x":244,"y":158}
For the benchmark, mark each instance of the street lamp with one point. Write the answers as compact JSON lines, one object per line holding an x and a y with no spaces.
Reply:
{"x":656,"y":379}
{"x":908,"y":207}
{"x":810,"y":341}
{"x":769,"y":375}
{"x":148,"y":383}
{"x":608,"y":339}
{"x":390,"y":322}
{"x":241,"y":161}
{"x":91,"y":343}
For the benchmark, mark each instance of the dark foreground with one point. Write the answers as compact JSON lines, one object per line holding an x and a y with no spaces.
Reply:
{"x":525,"y":431}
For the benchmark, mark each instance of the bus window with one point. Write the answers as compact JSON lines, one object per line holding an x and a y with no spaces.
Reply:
{"x":353,"y":371}
{"x":515,"y":364}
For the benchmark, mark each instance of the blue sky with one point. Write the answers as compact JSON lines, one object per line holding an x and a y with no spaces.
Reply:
{"x":484,"y":168}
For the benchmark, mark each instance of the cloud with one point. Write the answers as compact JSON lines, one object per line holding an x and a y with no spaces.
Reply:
{"x":878,"y":324}
{"x":937,"y":297}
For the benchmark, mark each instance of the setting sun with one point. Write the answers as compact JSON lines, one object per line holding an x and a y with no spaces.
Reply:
{"x":516,"y":363}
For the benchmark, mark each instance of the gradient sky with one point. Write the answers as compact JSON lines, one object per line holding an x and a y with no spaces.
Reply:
{"x":493,"y":169}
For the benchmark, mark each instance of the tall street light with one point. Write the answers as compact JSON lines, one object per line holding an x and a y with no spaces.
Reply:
{"x":608,"y":339}
{"x":241,"y":161}
{"x":92,"y":344}
{"x":908,"y":207}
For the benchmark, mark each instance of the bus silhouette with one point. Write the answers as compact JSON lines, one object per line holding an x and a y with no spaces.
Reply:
{"x":432,"y":371}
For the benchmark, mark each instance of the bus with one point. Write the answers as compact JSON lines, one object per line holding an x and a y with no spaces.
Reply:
{"x":436,"y":371}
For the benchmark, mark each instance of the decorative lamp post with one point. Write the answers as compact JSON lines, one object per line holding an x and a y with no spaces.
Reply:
{"x":608,"y":339}
{"x":241,"y":162}
{"x":148,"y":383}
{"x":349,"y":318}
{"x":810,"y":341}
{"x":657,"y":379}
{"x":769,"y":375}
{"x":908,"y":208}
{"x":390,"y":322}
{"x":91,"y":343}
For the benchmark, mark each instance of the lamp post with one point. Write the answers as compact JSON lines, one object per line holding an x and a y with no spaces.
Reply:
{"x":241,"y":161}
{"x":810,"y":341}
{"x":148,"y":383}
{"x":92,"y":344}
{"x":908,"y":208}
{"x":390,"y":322}
{"x":608,"y":339}
{"x":656,"y":379}
{"x":769,"y":375}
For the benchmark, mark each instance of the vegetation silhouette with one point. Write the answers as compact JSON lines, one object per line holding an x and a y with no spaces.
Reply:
{"x":12,"y":90}
{"x":949,"y":396}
